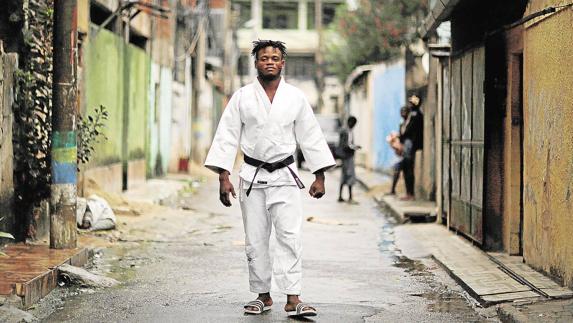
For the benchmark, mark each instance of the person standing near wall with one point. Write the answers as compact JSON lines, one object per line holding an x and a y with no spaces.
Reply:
{"x":393,"y":140}
{"x":412,"y":139}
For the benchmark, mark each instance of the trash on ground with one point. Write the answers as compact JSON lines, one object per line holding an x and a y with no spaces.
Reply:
{"x":314,"y":219}
{"x":94,"y":213}
{"x":79,"y":276}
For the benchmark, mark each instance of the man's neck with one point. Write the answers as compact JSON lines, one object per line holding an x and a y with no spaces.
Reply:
{"x":271,"y":85}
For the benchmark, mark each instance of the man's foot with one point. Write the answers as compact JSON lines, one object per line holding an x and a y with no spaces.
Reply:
{"x":298,"y":308}
{"x":390,"y":193}
{"x":407,"y":197}
{"x":352,"y":202}
{"x":261,"y":304}
{"x":340,"y":199}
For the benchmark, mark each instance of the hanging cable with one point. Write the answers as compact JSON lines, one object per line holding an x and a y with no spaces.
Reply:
{"x":547,"y":11}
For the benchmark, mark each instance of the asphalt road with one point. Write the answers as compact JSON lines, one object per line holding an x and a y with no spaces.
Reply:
{"x":187,"y":264}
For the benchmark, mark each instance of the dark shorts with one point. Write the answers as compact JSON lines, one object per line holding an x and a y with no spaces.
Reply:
{"x":348,"y":171}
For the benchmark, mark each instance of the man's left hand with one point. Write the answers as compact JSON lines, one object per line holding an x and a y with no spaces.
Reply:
{"x":317,"y":188}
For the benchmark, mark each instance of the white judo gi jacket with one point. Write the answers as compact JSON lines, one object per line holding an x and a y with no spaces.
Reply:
{"x":268,"y":132}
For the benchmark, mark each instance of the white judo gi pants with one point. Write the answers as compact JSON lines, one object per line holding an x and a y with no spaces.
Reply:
{"x":280,"y":206}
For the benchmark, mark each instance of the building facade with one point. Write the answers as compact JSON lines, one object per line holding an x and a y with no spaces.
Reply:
{"x":505,"y":106}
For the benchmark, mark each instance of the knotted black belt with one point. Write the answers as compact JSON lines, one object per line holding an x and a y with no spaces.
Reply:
{"x":271,"y":167}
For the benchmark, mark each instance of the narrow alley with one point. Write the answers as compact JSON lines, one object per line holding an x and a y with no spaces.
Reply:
{"x":186,"y":263}
{"x":123,"y":124}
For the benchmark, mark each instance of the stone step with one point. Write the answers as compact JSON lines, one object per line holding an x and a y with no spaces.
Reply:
{"x":30,"y":271}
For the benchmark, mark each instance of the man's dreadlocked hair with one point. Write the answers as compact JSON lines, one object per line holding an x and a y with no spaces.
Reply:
{"x":260,"y":44}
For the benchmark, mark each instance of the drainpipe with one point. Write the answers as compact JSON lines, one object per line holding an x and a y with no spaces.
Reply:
{"x":63,"y":232}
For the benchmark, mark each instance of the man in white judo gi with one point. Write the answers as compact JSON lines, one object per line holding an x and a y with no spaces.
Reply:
{"x":267,"y":118}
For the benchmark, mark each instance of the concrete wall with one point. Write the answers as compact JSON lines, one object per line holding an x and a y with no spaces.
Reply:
{"x":389,"y":96}
{"x":181,"y":126}
{"x":8,"y":65}
{"x":375,"y":100}
{"x":139,"y":76}
{"x":511,"y":201}
{"x":104,"y":86}
{"x":163,"y":36}
{"x":124,"y":91}
{"x":360,"y":106}
{"x":548,"y":147}
{"x":426,"y":185}
{"x":159,"y":119}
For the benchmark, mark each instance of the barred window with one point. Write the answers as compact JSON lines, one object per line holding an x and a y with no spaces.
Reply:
{"x":300,"y":66}
{"x":280,"y":15}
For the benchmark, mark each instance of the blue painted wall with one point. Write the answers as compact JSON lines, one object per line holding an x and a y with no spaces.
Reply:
{"x":389,"y":96}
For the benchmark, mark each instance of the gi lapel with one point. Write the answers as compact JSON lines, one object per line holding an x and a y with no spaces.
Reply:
{"x":262,"y":97}
{"x":263,"y":148}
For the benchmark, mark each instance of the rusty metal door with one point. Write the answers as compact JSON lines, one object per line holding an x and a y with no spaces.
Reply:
{"x":465,"y":144}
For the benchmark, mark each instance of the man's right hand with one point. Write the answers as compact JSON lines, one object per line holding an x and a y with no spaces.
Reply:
{"x":225,"y":187}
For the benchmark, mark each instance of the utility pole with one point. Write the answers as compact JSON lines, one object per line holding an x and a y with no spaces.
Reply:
{"x":319,"y":59}
{"x":126,"y":22}
{"x":63,"y":232}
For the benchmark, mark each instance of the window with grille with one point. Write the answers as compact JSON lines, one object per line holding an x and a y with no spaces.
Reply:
{"x":280,"y":15}
{"x":300,"y":67}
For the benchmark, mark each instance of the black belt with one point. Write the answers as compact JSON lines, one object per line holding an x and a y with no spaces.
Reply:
{"x":271,"y":167}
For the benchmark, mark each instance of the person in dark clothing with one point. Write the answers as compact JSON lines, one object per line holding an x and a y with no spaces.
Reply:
{"x":393,"y":140}
{"x":412,"y":139}
{"x":345,"y":151}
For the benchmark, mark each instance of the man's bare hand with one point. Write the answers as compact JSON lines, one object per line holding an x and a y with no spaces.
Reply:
{"x":317,"y":188}
{"x":225,"y":187}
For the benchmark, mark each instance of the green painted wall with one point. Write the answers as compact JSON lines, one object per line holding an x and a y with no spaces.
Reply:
{"x":104,"y":86}
{"x":139,"y":72}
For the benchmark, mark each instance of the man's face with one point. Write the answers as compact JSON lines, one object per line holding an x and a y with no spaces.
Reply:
{"x":269,"y":63}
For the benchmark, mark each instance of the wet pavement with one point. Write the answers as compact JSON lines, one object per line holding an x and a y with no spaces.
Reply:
{"x":186,"y":263}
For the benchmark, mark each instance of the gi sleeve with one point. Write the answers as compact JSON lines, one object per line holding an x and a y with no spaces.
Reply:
{"x":311,"y":140}
{"x":223,"y":150}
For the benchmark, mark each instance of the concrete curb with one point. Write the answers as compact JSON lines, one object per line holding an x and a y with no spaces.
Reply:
{"x":510,"y":314}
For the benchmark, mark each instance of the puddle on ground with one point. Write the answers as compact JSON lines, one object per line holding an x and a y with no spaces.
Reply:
{"x":438,"y":297}
{"x":120,"y":262}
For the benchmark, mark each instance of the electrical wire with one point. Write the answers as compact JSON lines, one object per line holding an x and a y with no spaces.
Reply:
{"x":200,"y":26}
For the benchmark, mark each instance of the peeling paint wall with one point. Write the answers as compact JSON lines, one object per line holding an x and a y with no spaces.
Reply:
{"x":124,"y":91}
{"x":104,"y":86}
{"x":548,"y":143}
{"x":139,"y":73}
{"x":159,"y":120}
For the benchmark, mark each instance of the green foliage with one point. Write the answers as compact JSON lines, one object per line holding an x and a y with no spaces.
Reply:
{"x":33,"y":106}
{"x":89,"y":132}
{"x":375,"y":31}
